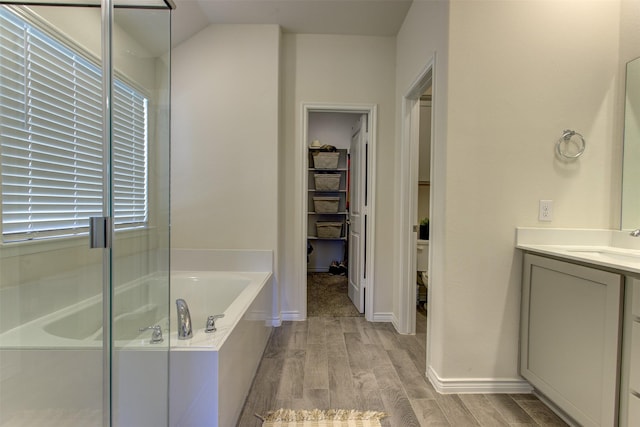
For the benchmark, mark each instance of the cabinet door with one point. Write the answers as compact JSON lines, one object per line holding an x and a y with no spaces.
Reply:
{"x":570,"y":337}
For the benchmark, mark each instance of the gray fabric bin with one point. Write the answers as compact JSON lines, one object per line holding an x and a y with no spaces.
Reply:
{"x":329,"y":230}
{"x":325,"y":160}
{"x":326,"y":204}
{"x":327,"y":181}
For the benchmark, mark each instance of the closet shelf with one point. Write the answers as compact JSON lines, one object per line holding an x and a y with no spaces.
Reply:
{"x":327,"y":170}
{"x":313,"y":190}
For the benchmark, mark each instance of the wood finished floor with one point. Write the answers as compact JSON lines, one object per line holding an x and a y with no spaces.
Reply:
{"x":347,"y":362}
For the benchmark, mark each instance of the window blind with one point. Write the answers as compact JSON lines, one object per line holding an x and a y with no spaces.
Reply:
{"x":51,"y":138}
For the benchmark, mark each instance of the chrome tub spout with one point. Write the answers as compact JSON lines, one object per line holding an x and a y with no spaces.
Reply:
{"x":184,"y":320}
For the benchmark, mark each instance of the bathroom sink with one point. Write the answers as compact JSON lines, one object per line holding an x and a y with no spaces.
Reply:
{"x":608,"y":255}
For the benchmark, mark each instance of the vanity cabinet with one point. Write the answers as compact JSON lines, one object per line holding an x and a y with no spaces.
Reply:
{"x":570,"y":337}
{"x":630,"y":372}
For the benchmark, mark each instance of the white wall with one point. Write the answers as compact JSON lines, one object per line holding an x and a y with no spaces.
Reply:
{"x":225,"y":87}
{"x":332,"y":128}
{"x":424,"y":195}
{"x":424,"y":162}
{"x":424,"y":38}
{"x":336,"y":69}
{"x":517,"y":75}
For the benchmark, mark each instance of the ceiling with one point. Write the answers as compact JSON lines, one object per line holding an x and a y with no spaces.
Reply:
{"x":354,"y":17}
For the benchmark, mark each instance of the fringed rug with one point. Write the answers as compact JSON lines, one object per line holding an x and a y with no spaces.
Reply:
{"x":318,"y":418}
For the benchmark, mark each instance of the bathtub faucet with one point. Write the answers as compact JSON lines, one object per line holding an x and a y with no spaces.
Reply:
{"x":156,"y":335}
{"x":211,"y":323}
{"x":184,"y":320}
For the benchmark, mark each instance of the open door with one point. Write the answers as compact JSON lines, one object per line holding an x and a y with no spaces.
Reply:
{"x":358,"y":212}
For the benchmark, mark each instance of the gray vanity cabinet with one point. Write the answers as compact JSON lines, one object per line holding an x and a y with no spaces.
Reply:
{"x":570,"y":337}
{"x":630,"y":371}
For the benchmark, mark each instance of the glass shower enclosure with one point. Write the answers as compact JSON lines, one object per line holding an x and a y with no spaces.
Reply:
{"x":84,"y":180}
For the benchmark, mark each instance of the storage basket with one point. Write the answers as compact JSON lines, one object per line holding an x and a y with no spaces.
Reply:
{"x":326,"y":204}
{"x":327,"y":181}
{"x":329,"y":230}
{"x":325,"y":160}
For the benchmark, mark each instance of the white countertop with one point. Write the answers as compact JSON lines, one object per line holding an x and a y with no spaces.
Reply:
{"x":607,"y":248}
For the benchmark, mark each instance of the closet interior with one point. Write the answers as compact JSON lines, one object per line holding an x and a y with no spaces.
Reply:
{"x":329,"y":139}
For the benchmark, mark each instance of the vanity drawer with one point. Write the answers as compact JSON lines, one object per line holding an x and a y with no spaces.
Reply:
{"x":634,"y":411}
{"x":634,"y":371}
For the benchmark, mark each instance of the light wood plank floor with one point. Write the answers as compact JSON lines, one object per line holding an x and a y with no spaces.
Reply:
{"x":347,"y":362}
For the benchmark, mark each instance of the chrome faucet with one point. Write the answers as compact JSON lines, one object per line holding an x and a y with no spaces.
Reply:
{"x":156,"y":335}
{"x":211,"y":323}
{"x":635,"y":233}
{"x":184,"y":320}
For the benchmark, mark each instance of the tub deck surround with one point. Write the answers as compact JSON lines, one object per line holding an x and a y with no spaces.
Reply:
{"x":249,"y":284}
{"x":209,"y":387}
{"x":210,"y":374}
{"x":611,"y":249}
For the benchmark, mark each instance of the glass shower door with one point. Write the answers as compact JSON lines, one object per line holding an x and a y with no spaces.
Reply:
{"x":51,"y":352}
{"x":140,"y":250}
{"x":61,"y":363}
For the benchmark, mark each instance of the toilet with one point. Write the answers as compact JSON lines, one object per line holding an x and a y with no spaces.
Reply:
{"x":422,"y":267}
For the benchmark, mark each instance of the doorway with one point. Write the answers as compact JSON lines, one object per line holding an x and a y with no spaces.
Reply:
{"x":338,"y":147}
{"x":415,"y":178}
{"x":423,"y":205}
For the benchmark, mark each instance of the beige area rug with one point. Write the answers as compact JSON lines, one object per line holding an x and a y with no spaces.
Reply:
{"x":319,"y":418}
{"x":327,"y":296}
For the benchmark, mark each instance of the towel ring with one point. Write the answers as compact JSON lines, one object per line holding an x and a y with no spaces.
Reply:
{"x":567,"y":139}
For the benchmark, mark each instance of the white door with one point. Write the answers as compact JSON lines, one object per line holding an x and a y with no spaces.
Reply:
{"x":358,"y":213}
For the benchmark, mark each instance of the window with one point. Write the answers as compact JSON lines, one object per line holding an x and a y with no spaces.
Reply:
{"x":51,"y":137}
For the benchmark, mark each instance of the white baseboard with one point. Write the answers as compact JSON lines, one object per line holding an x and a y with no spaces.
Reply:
{"x":377,"y":317}
{"x":291,"y":316}
{"x":477,"y":385}
{"x":384,"y":317}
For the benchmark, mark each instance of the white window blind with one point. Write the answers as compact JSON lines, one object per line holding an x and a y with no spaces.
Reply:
{"x":51,"y":138}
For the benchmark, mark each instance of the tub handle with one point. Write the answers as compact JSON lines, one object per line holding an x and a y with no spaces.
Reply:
{"x":156,"y":335}
{"x":211,"y":323}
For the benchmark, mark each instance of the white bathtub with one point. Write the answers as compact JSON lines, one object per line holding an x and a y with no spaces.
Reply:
{"x":210,"y":293}
{"x":210,"y":374}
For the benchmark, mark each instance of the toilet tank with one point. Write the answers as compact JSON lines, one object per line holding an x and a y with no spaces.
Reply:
{"x":422,"y":255}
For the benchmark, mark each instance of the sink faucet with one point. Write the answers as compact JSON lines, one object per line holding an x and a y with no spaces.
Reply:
{"x":635,"y":233}
{"x":184,"y":320}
